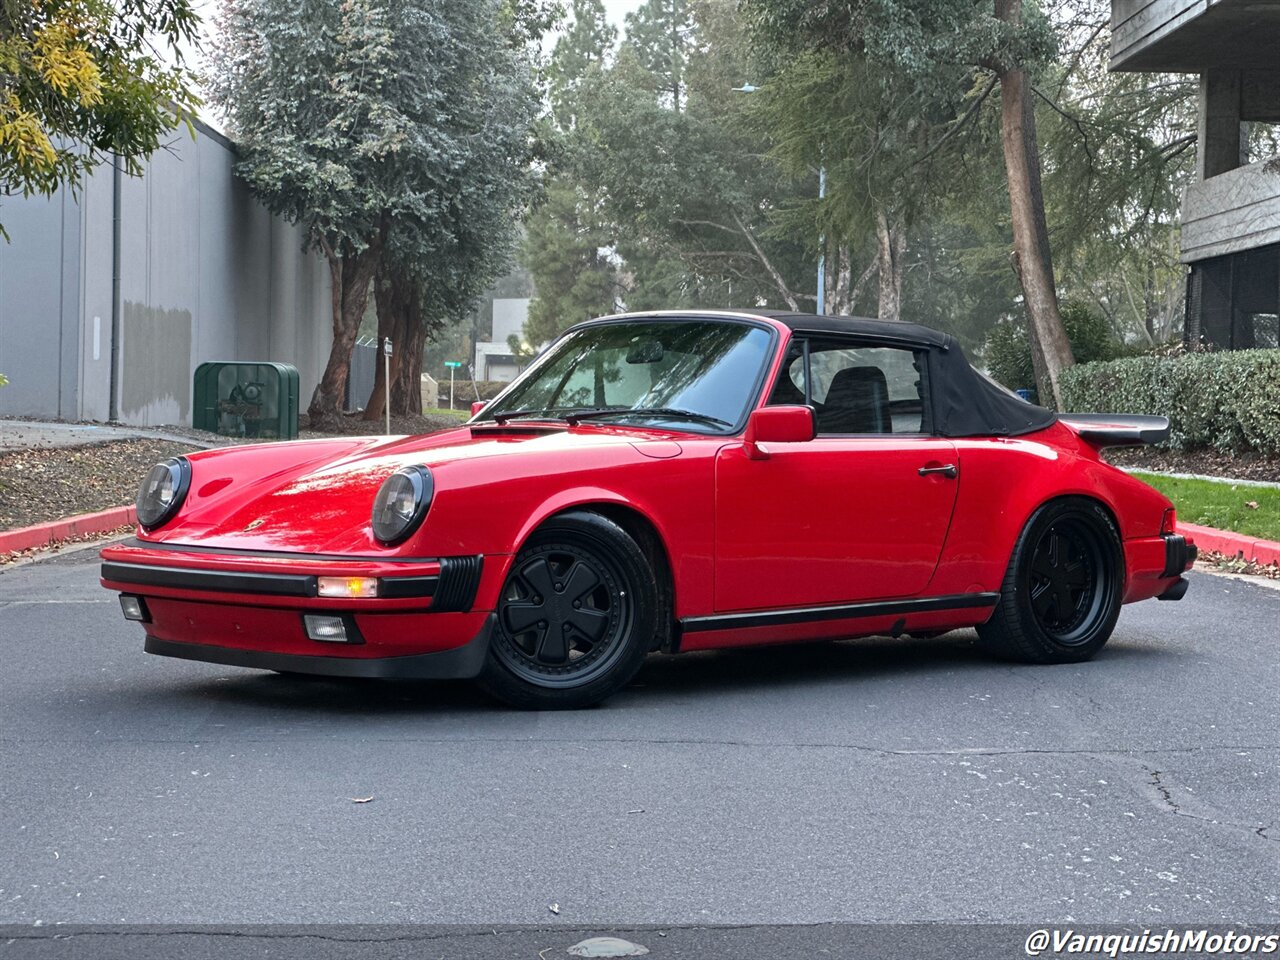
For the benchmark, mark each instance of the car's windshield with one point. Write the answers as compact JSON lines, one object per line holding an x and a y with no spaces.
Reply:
{"x":696,"y":375}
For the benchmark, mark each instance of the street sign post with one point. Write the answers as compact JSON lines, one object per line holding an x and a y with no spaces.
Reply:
{"x":386,"y":380}
{"x":452,"y":365}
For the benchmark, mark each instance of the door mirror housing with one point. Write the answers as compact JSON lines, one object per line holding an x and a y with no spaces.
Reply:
{"x":478,"y":406}
{"x":781,"y":424}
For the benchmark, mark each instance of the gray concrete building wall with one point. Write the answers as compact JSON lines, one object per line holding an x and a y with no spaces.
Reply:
{"x":206,"y":273}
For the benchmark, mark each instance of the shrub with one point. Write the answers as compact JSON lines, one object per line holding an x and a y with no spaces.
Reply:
{"x":1007,"y":351}
{"x":1227,"y":401}
{"x":464,"y":391}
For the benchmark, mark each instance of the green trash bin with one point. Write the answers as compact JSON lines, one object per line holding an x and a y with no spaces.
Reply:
{"x":246,"y":399}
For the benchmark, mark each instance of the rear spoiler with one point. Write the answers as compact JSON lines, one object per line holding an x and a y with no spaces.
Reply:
{"x":1117,"y":429}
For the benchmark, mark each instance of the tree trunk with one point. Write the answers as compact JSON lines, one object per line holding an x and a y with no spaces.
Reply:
{"x":406,"y":391}
{"x":400,"y":317}
{"x":1039,"y":371}
{"x":891,"y":246}
{"x":844,"y":278}
{"x":1034,"y":260}
{"x":350,"y":274}
{"x":389,"y":297}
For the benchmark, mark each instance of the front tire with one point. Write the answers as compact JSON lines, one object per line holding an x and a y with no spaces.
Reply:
{"x":1061,"y":595}
{"x":576,"y":616}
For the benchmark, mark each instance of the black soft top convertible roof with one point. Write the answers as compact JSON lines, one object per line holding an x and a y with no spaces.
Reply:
{"x":965,"y":403}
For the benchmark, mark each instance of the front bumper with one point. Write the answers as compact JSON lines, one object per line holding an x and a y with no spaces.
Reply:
{"x":458,"y":663}
{"x":252,"y":609}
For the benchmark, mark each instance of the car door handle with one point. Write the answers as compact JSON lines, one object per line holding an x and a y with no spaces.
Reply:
{"x":948,"y":470}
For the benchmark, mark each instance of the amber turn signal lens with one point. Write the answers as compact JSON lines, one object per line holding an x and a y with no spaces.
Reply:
{"x":348,"y":587}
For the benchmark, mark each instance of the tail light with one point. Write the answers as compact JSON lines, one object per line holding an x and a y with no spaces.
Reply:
{"x":1169,"y":522}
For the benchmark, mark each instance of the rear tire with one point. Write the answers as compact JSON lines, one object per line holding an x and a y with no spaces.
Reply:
{"x":576,"y":616}
{"x":1061,"y":595}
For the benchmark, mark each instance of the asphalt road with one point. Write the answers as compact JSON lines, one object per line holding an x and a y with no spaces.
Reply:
{"x":864,"y":781}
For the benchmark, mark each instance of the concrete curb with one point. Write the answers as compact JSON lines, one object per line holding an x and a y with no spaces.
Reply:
{"x":43,"y":534}
{"x":1232,"y":544}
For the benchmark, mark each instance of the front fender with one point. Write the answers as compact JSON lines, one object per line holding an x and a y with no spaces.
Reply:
{"x":474,"y":514}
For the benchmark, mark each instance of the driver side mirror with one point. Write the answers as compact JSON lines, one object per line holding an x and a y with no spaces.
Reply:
{"x":781,"y":424}
{"x":478,"y":406}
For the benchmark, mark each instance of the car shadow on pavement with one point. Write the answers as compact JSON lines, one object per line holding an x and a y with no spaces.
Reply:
{"x":872,"y":659}
{"x":694,"y":675}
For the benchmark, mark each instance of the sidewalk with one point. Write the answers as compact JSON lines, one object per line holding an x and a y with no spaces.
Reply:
{"x":51,"y":441}
{"x":40,"y":434}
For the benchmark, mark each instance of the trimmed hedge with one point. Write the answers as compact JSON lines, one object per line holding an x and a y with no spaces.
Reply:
{"x":1229,"y":400}
{"x":465,"y":390}
{"x":1007,"y":350}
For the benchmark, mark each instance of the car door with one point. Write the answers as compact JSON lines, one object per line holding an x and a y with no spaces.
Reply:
{"x":858,"y":513}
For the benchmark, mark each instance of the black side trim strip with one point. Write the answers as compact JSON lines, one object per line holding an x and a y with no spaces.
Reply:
{"x":277,"y":584}
{"x":459,"y":581}
{"x":850,"y":611}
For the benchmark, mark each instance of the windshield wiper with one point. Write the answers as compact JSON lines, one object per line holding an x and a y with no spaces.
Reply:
{"x":672,"y":413}
{"x":501,"y":418}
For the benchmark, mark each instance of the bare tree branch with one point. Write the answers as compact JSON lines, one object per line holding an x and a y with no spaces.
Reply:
{"x":962,"y":122}
{"x":777,"y":278}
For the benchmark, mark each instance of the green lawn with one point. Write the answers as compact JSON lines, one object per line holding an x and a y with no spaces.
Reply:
{"x":1222,"y":505}
{"x":459,"y":414}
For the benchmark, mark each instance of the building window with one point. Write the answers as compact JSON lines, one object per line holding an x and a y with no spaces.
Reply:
{"x":1234,"y":301}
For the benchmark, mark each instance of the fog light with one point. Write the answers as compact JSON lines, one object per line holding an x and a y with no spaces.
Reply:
{"x":321,"y":627}
{"x":134,"y":608}
{"x":348,"y":586}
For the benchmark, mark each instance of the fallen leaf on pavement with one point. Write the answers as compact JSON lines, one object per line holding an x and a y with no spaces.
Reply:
{"x":554,"y":908}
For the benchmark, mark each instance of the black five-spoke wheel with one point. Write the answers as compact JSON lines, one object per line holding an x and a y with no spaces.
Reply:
{"x":575,"y":618}
{"x":1061,"y":596}
{"x":1066,"y":574}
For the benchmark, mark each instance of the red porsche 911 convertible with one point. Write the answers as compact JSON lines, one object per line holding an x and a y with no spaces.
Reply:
{"x":665,"y":481}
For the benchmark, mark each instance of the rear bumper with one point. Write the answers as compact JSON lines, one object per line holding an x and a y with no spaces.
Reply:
{"x":1154,"y":567}
{"x":1179,"y":554}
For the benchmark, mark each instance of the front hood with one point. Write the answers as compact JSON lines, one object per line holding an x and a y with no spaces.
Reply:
{"x":316,"y":496}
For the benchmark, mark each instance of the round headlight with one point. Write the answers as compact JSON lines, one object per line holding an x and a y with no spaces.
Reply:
{"x":163,"y":491}
{"x":401,"y":504}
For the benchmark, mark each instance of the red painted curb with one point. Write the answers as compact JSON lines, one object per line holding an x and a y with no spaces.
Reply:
{"x":43,"y":534}
{"x":1232,"y":544}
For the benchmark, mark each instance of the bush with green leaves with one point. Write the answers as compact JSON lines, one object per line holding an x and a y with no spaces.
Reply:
{"x":1007,"y":350}
{"x":464,"y":391}
{"x":1228,"y":400}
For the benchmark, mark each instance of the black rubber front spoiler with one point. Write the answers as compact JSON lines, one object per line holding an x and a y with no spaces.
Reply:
{"x":1176,"y":591}
{"x":460,"y":663}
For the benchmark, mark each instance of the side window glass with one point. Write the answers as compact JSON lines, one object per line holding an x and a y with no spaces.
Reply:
{"x":861,"y":390}
{"x":789,"y":388}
